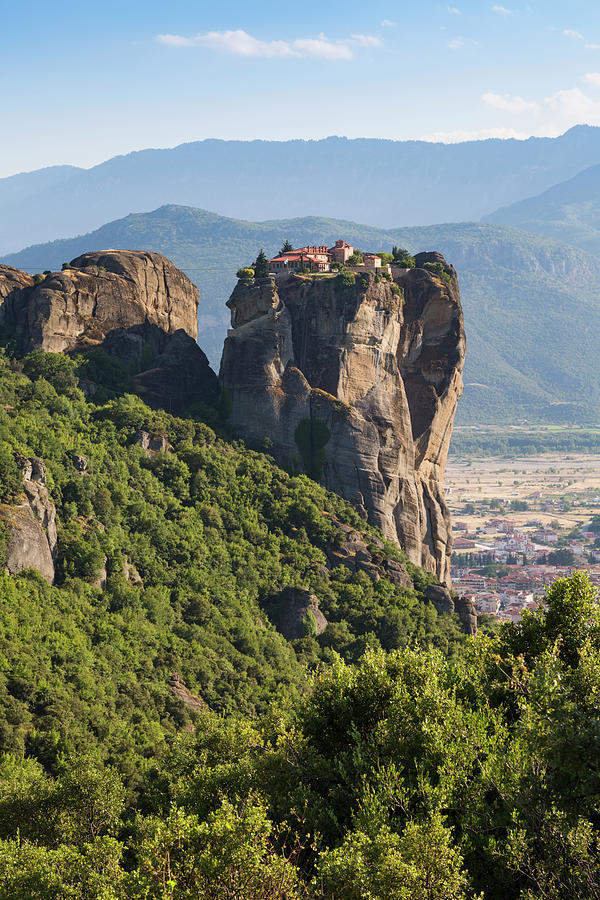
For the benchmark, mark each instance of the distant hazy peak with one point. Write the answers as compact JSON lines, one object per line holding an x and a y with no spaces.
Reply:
{"x":382,"y":182}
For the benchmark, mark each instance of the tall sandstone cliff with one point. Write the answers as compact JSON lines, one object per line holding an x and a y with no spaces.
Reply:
{"x":357,"y":385}
{"x":136,"y":306}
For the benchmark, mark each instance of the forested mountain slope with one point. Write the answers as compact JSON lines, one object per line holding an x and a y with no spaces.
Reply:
{"x":569,"y":211}
{"x":171,"y":564}
{"x":407,"y":776}
{"x":234,"y":688}
{"x":381,"y":182}
{"x":161,"y":738}
{"x":531,"y":304}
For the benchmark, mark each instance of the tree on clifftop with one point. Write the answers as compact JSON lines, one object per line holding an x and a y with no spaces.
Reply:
{"x":403,"y":258}
{"x":286,"y":248}
{"x":356,"y":259}
{"x":261,"y":266}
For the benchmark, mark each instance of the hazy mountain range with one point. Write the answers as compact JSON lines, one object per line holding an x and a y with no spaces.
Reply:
{"x":532,"y":304}
{"x":569,"y":211}
{"x":384,"y":183}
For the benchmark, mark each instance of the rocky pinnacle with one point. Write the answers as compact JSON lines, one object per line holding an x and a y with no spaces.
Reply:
{"x":356,"y":383}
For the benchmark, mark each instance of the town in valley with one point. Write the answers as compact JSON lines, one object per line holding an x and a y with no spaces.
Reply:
{"x":521,"y":523}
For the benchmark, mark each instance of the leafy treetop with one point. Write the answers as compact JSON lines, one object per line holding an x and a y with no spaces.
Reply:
{"x":261,"y":266}
{"x":403,"y":258}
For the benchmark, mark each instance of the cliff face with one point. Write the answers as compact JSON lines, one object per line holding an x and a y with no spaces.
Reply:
{"x":137,"y":306}
{"x":101,"y":292}
{"x":356,"y":384}
{"x":31,"y":524}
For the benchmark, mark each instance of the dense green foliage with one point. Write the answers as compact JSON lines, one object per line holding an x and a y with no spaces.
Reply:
{"x":355,"y":259}
{"x":437,"y":268}
{"x":214,"y":531}
{"x":345,"y":279}
{"x":261,"y":266}
{"x":402,"y":257}
{"x":469,"y":443}
{"x":386,"y":759}
{"x":405,"y":777}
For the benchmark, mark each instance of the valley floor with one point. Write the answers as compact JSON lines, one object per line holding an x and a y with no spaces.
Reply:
{"x":520,"y":523}
{"x":469,"y":441}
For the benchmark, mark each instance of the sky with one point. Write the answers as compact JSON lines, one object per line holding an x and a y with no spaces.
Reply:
{"x":81,"y":82}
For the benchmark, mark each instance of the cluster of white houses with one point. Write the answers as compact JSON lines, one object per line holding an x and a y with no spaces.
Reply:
{"x":319,"y":259}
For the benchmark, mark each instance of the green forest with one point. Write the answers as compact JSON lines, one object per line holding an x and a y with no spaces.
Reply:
{"x":532,"y":441}
{"x":161,"y":738}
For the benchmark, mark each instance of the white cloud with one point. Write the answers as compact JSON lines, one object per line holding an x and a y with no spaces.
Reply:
{"x":592,"y":46}
{"x":389,"y":23}
{"x":457,"y":137}
{"x":175,"y":40}
{"x":568,"y":32}
{"x":558,"y":111}
{"x":502,"y":10}
{"x":366,"y":40}
{"x":509,"y":104}
{"x":240,"y":43}
{"x":458,"y":42}
{"x":573,"y":106}
{"x":322,"y":47}
{"x":548,"y":116}
{"x":454,"y":11}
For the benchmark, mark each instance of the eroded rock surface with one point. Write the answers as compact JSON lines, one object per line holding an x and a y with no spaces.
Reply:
{"x":298,"y":613}
{"x":355,"y":554}
{"x":178,"y":376}
{"x":180,"y":690}
{"x":79,"y":462}
{"x":101,"y":292}
{"x":357,"y":385}
{"x":464,"y":607}
{"x":12,"y":282}
{"x":137,"y":306}
{"x":157,"y":443}
{"x":131,"y":574}
{"x":31,"y":525}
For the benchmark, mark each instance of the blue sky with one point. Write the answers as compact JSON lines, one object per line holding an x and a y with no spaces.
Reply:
{"x":81,"y":82}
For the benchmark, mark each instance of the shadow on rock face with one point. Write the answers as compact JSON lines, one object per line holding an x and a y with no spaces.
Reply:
{"x":296,"y":613}
{"x":131,"y":314}
{"x":169,"y":371}
{"x":444,"y":602}
{"x":354,"y":379}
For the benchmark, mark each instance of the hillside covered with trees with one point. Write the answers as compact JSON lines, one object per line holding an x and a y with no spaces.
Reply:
{"x":161,"y":737}
{"x":192,"y":546}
